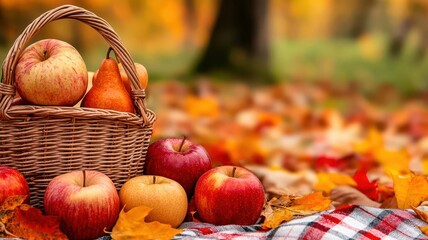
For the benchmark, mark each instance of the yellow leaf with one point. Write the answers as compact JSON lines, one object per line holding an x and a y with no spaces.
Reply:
{"x":390,"y":159}
{"x":393,"y":160}
{"x":287,"y":207}
{"x":410,"y":190}
{"x":328,"y":181}
{"x":277,"y":217}
{"x":131,"y":225}
{"x":374,"y":141}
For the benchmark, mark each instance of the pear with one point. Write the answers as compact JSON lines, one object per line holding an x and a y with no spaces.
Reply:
{"x":108,"y":91}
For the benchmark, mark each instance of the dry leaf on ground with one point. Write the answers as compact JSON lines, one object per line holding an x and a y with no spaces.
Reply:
{"x":278,"y":182}
{"x":132,"y":225}
{"x":410,"y":190}
{"x":328,"y":181}
{"x":24,"y":221}
{"x":343,"y":195}
{"x":285,"y":208}
{"x":365,"y":186}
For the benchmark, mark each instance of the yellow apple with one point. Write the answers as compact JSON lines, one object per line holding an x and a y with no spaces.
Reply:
{"x":167,"y":198}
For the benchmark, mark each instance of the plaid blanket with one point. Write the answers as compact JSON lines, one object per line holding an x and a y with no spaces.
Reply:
{"x":349,"y":222}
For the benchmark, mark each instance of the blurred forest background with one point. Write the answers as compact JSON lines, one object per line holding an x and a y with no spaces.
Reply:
{"x":370,"y":43}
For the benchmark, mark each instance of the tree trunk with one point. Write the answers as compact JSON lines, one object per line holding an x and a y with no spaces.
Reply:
{"x":351,"y":17}
{"x":239,"y":41}
{"x":3,"y":37}
{"x":189,"y":20}
{"x":399,"y":38}
{"x":415,"y":20}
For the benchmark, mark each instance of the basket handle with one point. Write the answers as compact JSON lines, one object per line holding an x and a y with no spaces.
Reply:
{"x":100,"y":25}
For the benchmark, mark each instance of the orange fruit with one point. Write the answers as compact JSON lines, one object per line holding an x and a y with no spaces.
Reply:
{"x":141,"y":73}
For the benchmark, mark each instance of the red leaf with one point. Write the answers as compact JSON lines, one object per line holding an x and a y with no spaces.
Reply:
{"x":328,"y":163}
{"x":364,"y":185}
{"x":30,"y":223}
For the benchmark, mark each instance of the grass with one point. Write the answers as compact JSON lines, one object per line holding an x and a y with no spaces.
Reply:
{"x":343,"y":61}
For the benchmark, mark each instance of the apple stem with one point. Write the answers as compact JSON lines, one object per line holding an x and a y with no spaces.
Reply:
{"x":84,"y":178}
{"x":182,"y":143}
{"x":44,"y":54}
{"x":154,"y":179}
{"x":233,"y":171}
{"x":108,"y":52}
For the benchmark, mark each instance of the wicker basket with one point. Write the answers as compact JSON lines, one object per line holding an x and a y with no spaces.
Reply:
{"x":45,"y":141}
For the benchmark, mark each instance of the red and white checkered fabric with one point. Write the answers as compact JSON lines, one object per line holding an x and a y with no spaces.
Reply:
{"x":349,"y":222}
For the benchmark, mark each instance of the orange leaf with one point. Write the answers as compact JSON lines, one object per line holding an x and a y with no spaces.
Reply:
{"x":314,"y":201}
{"x":202,"y":106}
{"x":25,"y":221}
{"x":328,"y":181}
{"x":30,"y":223}
{"x":132,"y":225}
{"x":410,"y":190}
{"x":12,"y":202}
{"x":286,"y":208}
{"x":7,"y":207}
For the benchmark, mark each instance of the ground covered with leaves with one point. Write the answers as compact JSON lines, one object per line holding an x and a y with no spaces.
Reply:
{"x":313,"y":146}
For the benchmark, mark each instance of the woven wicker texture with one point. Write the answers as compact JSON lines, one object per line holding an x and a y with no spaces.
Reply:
{"x":45,"y":141}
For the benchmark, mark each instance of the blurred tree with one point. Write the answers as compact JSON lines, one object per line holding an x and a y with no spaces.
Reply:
{"x":3,"y":37}
{"x":414,"y":18}
{"x":351,"y":17}
{"x":189,"y":20}
{"x":239,"y":41}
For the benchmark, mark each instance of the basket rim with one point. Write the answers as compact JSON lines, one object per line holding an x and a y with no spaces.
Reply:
{"x":27,"y":112}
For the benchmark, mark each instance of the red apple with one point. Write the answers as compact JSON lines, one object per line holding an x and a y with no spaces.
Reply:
{"x":51,"y":72}
{"x":86,"y":202}
{"x":178,"y":159}
{"x":12,"y":182}
{"x":229,"y":195}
